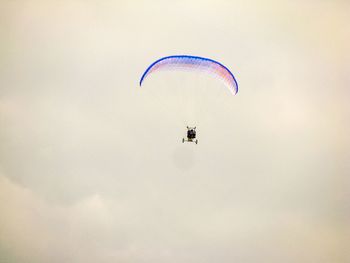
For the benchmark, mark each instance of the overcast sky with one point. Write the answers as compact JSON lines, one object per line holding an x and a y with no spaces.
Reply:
{"x":92,"y":168}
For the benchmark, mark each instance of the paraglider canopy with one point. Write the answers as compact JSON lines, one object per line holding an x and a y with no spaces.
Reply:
{"x":187,"y":62}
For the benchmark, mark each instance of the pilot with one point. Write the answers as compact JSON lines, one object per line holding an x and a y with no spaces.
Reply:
{"x":191,"y":134}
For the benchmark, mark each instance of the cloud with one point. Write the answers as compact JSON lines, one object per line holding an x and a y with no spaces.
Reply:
{"x":93,"y":168}
{"x":100,"y":229}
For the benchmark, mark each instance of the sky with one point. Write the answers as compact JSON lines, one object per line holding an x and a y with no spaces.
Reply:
{"x":92,"y":168}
